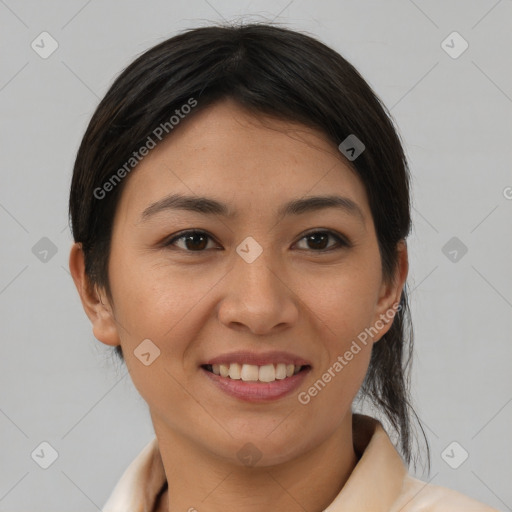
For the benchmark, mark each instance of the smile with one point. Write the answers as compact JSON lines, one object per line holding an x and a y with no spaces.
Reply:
{"x":253,"y":383}
{"x":255,"y":373}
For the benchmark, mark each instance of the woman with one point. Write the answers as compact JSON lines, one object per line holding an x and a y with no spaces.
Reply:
{"x":240,"y":208}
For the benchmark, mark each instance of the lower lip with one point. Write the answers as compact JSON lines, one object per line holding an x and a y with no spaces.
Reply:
{"x":251,"y":391}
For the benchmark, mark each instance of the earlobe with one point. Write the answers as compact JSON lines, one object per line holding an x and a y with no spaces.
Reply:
{"x":391,"y":292}
{"x":94,"y":301}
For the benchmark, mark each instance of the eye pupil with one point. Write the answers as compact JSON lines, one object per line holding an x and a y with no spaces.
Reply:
{"x":193,"y":237}
{"x":317,"y":243}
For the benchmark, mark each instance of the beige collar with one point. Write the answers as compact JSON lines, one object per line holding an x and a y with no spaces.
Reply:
{"x":376,"y":481}
{"x":374,"y":484}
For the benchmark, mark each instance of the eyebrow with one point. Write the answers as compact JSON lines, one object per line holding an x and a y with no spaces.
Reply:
{"x":208,"y":206}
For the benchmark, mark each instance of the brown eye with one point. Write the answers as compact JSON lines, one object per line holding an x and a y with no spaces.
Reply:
{"x":193,"y":241}
{"x":318,"y":241}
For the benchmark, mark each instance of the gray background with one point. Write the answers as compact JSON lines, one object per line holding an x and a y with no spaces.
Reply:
{"x":59,"y":385}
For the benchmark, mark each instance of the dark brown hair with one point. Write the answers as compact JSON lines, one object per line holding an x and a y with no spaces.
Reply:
{"x":268,"y":70}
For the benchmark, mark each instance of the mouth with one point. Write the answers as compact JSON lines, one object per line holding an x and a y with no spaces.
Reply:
{"x":267,"y":373}
{"x":256,"y":377}
{"x":256,"y":383}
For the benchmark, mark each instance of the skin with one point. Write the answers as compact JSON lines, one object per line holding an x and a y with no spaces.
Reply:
{"x":196,"y":305}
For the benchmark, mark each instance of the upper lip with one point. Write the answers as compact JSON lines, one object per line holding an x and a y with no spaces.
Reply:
{"x":258,"y":359}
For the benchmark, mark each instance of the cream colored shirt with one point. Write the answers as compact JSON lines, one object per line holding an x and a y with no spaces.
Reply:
{"x":378,"y":483}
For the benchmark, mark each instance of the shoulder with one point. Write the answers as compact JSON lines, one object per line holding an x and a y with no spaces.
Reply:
{"x":421,"y":496}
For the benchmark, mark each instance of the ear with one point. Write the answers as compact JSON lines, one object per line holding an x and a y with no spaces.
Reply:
{"x":390,"y":293}
{"x":95,"y":302}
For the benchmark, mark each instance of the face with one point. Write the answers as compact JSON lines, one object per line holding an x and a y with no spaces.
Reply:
{"x":268,"y":282}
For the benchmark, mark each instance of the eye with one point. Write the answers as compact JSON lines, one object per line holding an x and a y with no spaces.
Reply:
{"x":318,"y":240}
{"x":197,"y":241}
{"x":193,"y":240}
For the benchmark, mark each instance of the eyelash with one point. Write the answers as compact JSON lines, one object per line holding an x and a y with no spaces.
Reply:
{"x":342,"y":242}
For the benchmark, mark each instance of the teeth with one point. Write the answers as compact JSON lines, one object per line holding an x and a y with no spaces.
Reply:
{"x":235,"y":371}
{"x":253,"y":373}
{"x":267,"y":373}
{"x":249,"y":372}
{"x":281,"y":371}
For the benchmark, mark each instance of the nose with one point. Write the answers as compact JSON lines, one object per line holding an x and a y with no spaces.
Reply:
{"x":257,"y":298}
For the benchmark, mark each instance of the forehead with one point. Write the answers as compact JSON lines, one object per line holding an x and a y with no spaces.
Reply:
{"x":250,"y":162}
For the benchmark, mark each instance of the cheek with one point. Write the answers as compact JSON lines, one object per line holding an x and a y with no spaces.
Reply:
{"x":168,"y":307}
{"x":158,"y":301}
{"x":343,"y":309}
{"x":343,"y":300}
{"x":329,"y":392}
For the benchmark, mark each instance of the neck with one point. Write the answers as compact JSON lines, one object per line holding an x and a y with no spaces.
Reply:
{"x":201,"y":481}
